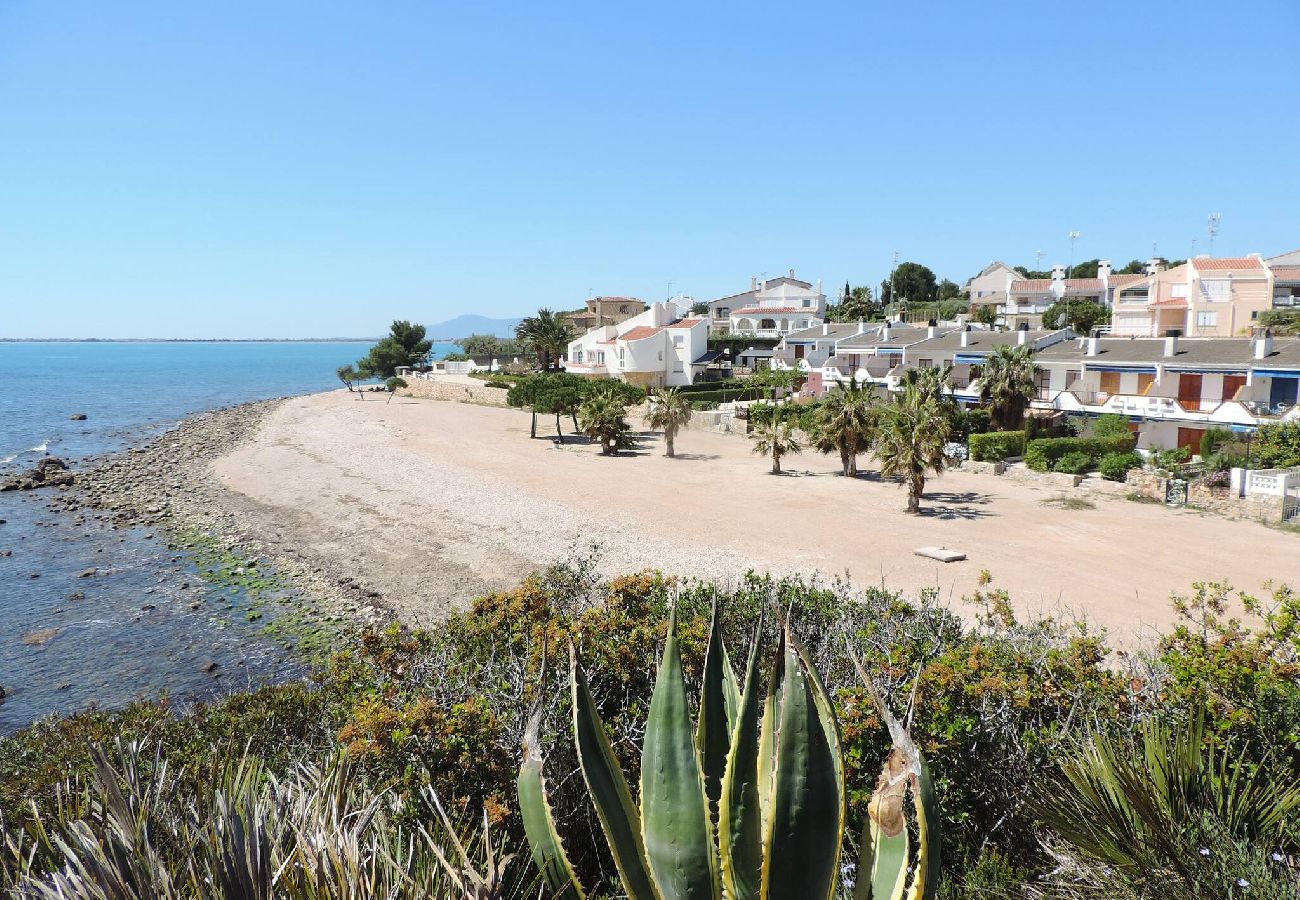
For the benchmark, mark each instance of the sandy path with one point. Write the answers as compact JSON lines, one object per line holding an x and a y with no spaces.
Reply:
{"x":430,"y":503}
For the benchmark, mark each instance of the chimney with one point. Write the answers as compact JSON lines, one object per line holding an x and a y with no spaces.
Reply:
{"x":965,"y":336}
{"x":826,"y":328}
{"x":753,"y":282}
{"x":1022,"y":334}
{"x":792,"y":273}
{"x":1094,"y":345}
{"x":1155,"y":265}
{"x":1058,"y":273}
{"x":862,"y":326}
{"x":885,"y":332}
{"x":932,"y":331}
{"x":1103,"y":269}
{"x":1264,"y":345}
{"x":1171,"y":345}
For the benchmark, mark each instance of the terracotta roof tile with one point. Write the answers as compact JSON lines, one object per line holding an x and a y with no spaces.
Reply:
{"x":1227,"y":263}
{"x":1124,"y":280}
{"x":639,"y":333}
{"x":1286,"y":273}
{"x":685,"y":323}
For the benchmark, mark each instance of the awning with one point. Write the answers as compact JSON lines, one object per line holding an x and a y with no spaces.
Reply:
{"x":969,"y":359}
{"x":1190,"y":370}
{"x":1101,"y":367}
{"x":1277,"y":373}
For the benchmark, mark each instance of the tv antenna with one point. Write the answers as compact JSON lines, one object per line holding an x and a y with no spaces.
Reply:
{"x":1038,"y":260}
{"x":1212,"y":228}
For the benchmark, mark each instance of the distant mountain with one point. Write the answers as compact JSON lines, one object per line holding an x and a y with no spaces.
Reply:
{"x":464,"y":326}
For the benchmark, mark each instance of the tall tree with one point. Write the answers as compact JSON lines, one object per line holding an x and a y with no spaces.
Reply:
{"x":857,"y":303}
{"x":948,"y":290}
{"x":670,"y":411}
{"x":914,"y":283}
{"x":405,"y":345}
{"x":348,"y":375}
{"x":548,"y":334}
{"x":845,"y":423}
{"x":1007,"y":385}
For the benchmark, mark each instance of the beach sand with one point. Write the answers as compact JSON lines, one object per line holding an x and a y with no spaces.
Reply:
{"x":429,"y":504}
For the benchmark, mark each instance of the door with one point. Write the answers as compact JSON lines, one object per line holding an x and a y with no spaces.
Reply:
{"x":1189,"y":392}
{"x":1190,"y":438}
{"x":1282,"y":392}
{"x":1232,"y":384}
{"x":1110,"y":383}
{"x":1144,"y":384}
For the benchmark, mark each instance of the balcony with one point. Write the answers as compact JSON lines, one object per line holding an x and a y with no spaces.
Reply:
{"x":590,"y":368}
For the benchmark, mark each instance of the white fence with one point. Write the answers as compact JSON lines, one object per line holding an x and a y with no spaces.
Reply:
{"x":1274,"y":482}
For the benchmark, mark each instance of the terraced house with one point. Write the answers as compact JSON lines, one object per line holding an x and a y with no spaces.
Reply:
{"x":1022,"y":301}
{"x":1203,"y":297}
{"x":1173,"y":388}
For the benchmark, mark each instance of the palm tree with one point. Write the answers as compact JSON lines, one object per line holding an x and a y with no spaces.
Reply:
{"x":910,"y":437}
{"x":602,"y":417}
{"x":929,"y":385}
{"x":776,"y":438}
{"x":845,"y":423}
{"x":670,"y":411}
{"x":1007,"y":385}
{"x":547,"y":334}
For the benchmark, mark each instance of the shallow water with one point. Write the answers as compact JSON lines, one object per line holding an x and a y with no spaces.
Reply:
{"x":137,"y":632}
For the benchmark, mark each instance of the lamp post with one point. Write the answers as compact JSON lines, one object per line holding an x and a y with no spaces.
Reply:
{"x":1074,"y":236}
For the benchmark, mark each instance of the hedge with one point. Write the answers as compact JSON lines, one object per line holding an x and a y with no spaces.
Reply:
{"x":996,"y":446}
{"x":727,"y":395}
{"x":1041,"y":454}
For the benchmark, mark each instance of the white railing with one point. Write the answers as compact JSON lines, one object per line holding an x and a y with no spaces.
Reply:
{"x":1274,"y":482}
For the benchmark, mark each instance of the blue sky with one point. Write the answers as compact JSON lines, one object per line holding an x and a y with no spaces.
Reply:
{"x":307,"y":169}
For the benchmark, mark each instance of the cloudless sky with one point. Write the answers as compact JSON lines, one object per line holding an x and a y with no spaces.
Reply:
{"x":309,"y":169}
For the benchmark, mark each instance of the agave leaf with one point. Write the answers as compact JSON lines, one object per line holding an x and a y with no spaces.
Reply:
{"x":713,"y":731}
{"x":674,"y":811}
{"x":539,"y":824}
{"x":608,"y":789}
{"x":805,"y":814}
{"x":730,"y":690}
{"x":887,"y":823}
{"x":929,"y":845}
{"x":767,"y":731}
{"x":740,"y":813}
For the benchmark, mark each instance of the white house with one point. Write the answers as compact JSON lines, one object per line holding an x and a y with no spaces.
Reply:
{"x":654,"y":349}
{"x":773,"y":307}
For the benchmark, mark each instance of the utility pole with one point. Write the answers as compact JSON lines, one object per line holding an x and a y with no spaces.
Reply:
{"x":1038,"y":260}
{"x":1212,"y":226}
{"x":1074,"y":236}
{"x":893,"y":292}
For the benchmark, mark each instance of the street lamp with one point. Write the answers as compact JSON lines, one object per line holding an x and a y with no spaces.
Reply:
{"x":1074,"y":236}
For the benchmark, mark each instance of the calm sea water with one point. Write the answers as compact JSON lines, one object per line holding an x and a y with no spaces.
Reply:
{"x":137,"y":632}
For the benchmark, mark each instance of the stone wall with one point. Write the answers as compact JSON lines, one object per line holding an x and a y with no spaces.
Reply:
{"x":1221,"y":500}
{"x":459,"y":391}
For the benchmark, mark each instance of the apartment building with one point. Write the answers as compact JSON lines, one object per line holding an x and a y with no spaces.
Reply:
{"x":1021,"y":301}
{"x":604,"y":311}
{"x":772,"y":307}
{"x":1203,"y":297}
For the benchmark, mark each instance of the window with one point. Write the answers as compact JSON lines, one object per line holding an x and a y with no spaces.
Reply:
{"x":925,"y":363}
{"x":621,"y":360}
{"x":1178,"y":290}
{"x":677,"y":366}
{"x":1216,"y":289}
{"x":677,"y":340}
{"x":723,"y":312}
{"x":1207,"y":319}
{"x":1043,"y":379}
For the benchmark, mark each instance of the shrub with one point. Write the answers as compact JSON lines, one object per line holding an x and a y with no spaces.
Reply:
{"x":1277,"y":446}
{"x":1110,"y":425}
{"x":1041,"y":454}
{"x":1116,"y":466}
{"x":996,"y":446}
{"x":1172,"y":459}
{"x":1212,"y":440}
{"x":1076,"y":462}
{"x":972,"y":421}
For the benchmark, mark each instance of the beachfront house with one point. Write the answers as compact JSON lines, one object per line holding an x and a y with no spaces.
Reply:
{"x":604,"y":311}
{"x":1174,"y":388}
{"x":656,"y":348}
{"x":876,"y":354}
{"x":772,"y":307}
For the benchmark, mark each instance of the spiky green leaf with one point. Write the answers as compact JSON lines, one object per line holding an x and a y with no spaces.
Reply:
{"x":674,"y":811}
{"x":539,"y":823}
{"x":740,"y":814}
{"x":713,"y":732}
{"x":608,"y":789}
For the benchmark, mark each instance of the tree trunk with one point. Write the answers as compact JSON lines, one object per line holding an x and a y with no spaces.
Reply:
{"x":668,"y":439}
{"x":557,"y":428}
{"x":533,"y":432}
{"x":776,"y":461}
{"x":390,"y":397}
{"x":844,"y":461}
{"x":574,"y":415}
{"x":915,"y":489}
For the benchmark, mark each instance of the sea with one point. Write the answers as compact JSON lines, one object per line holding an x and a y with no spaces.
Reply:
{"x":136,"y":632}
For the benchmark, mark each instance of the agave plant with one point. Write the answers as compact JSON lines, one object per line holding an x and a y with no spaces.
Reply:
{"x":748,"y":802}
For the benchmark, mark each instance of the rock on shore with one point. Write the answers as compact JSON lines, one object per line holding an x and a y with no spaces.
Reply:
{"x":49,"y":472}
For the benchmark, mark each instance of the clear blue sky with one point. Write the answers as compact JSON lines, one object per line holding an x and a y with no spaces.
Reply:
{"x":307,"y":169}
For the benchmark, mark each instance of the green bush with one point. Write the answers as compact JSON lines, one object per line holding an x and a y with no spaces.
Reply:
{"x":1116,"y":466}
{"x":1172,"y":459}
{"x":1041,"y":454}
{"x":1110,"y":425}
{"x":1212,"y":439}
{"x":967,"y":422}
{"x":728,"y":395}
{"x":996,"y":446}
{"x":1277,"y":446}
{"x":1076,"y":462}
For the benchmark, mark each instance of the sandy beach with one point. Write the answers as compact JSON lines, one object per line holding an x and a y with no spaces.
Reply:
{"x":430,"y":503}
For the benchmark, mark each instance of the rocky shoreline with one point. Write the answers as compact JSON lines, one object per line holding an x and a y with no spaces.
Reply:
{"x":168,"y":484}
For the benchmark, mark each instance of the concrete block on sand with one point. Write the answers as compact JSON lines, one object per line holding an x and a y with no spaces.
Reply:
{"x":943,"y":554}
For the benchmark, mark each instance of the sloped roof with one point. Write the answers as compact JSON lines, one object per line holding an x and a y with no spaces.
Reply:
{"x":1227,"y":263}
{"x":755,"y":310}
{"x":1125,"y":280}
{"x":976,"y":341}
{"x":836,"y":330}
{"x":1229,"y":353}
{"x":685,"y":323}
{"x":1044,"y":285}
{"x":1286,"y":273}
{"x":640,"y":333}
